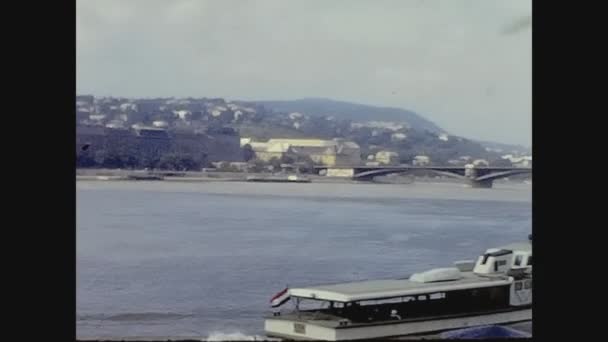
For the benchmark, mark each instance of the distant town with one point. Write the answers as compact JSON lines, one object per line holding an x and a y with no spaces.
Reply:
{"x":217,"y":134}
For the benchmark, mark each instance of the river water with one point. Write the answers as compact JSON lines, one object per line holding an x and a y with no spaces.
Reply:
{"x":158,"y":259}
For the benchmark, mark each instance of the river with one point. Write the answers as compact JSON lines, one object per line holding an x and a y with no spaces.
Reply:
{"x":203,"y":259}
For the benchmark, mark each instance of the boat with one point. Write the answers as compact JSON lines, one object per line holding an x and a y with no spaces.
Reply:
{"x":495,"y":289}
{"x":148,"y":177}
{"x":279,"y":179}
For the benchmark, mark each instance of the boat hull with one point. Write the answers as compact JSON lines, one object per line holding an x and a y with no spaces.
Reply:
{"x":323,"y":330}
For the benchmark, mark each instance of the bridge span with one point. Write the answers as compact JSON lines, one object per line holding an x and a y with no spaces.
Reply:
{"x":476,"y":176}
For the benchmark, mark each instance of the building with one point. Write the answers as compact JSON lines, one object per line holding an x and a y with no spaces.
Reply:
{"x":89,"y":100}
{"x":398,"y":137}
{"x":266,"y":151}
{"x":160,"y":124}
{"x":151,"y":143}
{"x":387,"y":157}
{"x":148,"y":144}
{"x":222,"y":144}
{"x":94,"y":137}
{"x":115,"y":124}
{"x":149,"y":105}
{"x":246,"y":141}
{"x":481,"y":162}
{"x":421,"y":160}
{"x":323,"y":152}
{"x":523,"y":161}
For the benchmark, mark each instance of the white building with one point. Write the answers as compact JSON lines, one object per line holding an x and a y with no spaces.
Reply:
{"x":115,"y":124}
{"x":295,"y":115}
{"x":421,"y":160}
{"x":480,"y":162}
{"x":387,"y":157}
{"x":128,"y":106}
{"x":160,"y":124}
{"x":181,"y":113}
{"x":97,"y":117}
{"x":398,"y":136}
{"x":523,"y":161}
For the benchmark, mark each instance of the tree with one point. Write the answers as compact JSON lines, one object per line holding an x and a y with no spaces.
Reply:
{"x":285,"y":159}
{"x":85,"y":160}
{"x":178,"y":162}
{"x":258,"y":166}
{"x":197,"y":115}
{"x":248,"y":153}
{"x":150,"y":163}
{"x":275,"y":163}
{"x":112,"y":160}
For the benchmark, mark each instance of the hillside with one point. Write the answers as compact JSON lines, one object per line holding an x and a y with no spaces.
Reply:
{"x":361,"y":113}
{"x":506,"y":148}
{"x":352,"y":111}
{"x":374,"y":129}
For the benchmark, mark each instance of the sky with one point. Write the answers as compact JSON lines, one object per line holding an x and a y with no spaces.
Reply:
{"x":465,"y":65}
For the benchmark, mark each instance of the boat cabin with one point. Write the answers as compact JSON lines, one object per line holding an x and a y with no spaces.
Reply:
{"x":389,"y":300}
{"x":490,"y":284}
{"x":497,"y":288}
{"x":503,"y":259}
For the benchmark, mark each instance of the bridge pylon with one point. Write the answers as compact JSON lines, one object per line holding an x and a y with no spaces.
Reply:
{"x":481,"y":184}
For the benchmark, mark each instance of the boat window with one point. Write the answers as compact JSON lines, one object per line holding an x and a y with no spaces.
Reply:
{"x":518,"y":286}
{"x":528,"y":284}
{"x":485,"y":258}
{"x":517,"y":261}
{"x":495,"y":266}
{"x":530,"y":260}
{"x":313,"y":304}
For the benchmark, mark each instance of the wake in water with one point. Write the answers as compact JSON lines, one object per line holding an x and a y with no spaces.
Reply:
{"x":237,"y":336}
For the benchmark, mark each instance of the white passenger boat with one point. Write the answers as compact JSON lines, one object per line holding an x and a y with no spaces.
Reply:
{"x":496,"y":289}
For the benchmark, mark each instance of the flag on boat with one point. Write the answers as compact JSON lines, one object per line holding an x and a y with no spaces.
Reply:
{"x":280,"y":298}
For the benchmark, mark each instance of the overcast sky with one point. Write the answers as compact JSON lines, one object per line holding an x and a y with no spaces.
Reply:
{"x":464,"y":64}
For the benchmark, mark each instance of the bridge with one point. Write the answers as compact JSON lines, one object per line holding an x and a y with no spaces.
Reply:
{"x":476,"y":176}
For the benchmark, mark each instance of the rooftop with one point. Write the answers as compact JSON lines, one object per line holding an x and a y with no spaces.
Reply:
{"x":382,"y":289}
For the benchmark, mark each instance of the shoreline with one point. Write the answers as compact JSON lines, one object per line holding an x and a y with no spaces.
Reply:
{"x":219,"y":176}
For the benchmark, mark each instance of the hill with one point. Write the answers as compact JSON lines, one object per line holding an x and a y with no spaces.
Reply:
{"x":352,"y":111}
{"x":505,"y":148}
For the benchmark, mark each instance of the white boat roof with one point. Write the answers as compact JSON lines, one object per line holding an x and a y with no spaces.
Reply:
{"x":381,"y":289}
{"x":518,"y":246}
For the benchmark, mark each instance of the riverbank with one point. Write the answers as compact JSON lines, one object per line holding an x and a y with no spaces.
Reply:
{"x":218,"y":176}
{"x":192,"y":176}
{"x":334,"y":190}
